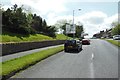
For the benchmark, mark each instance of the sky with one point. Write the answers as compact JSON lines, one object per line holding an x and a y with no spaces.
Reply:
{"x":95,"y":15}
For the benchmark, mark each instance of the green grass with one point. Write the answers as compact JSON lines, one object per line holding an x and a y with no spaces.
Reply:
{"x":0,"y":38}
{"x":117,"y":43}
{"x":20,"y":63}
{"x":62,"y":37}
{"x":29,"y":38}
{"x":37,"y":37}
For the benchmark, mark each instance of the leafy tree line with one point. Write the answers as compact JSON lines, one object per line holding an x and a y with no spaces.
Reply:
{"x":15,"y":20}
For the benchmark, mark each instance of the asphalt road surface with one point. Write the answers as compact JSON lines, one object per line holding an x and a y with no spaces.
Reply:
{"x":98,"y":60}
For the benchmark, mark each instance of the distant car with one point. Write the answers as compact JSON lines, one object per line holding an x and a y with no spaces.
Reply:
{"x":102,"y":37}
{"x":72,"y":45}
{"x":86,"y":42}
{"x":116,"y":37}
{"x":94,"y":38}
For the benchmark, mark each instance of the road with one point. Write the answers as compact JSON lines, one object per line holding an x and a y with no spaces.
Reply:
{"x":98,"y":60}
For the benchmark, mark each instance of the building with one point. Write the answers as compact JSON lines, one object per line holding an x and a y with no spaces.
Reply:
{"x":104,"y":34}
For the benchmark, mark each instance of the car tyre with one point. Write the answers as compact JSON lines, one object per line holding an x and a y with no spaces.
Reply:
{"x":78,"y":49}
{"x":66,"y":50}
{"x":81,"y":48}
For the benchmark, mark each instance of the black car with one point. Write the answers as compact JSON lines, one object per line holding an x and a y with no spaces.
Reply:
{"x":72,"y":45}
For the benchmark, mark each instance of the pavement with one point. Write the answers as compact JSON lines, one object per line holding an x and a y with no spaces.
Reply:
{"x":97,"y":60}
{"x":20,"y":54}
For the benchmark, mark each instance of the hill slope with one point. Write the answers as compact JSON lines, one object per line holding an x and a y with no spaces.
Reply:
{"x":36,"y":37}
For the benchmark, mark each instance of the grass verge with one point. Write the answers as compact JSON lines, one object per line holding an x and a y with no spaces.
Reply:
{"x":117,"y":43}
{"x":20,"y":38}
{"x":30,"y":38}
{"x":17,"y":64}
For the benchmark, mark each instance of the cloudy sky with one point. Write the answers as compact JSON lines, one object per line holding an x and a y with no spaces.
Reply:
{"x":95,"y":15}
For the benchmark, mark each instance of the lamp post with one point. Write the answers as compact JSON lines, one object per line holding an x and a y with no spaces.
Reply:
{"x":73,"y":22}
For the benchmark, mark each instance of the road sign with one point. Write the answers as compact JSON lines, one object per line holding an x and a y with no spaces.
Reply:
{"x":70,"y":29}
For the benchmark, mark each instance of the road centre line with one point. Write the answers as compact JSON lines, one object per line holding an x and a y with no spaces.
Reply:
{"x":92,"y":56}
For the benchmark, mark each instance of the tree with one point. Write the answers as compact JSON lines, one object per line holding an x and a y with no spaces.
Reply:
{"x":79,"y":30}
{"x":37,"y":23}
{"x":15,"y":20}
{"x":19,"y":21}
{"x":62,"y":24}
{"x":116,"y":30}
{"x":6,"y":19}
{"x":44,"y":25}
{"x":114,"y":24}
{"x":51,"y":31}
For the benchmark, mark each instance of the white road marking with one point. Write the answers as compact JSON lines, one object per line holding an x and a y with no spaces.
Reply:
{"x":92,"y":56}
{"x":91,"y":70}
{"x":92,"y":66}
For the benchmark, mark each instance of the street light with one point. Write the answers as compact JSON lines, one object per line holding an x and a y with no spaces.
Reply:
{"x":73,"y":22}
